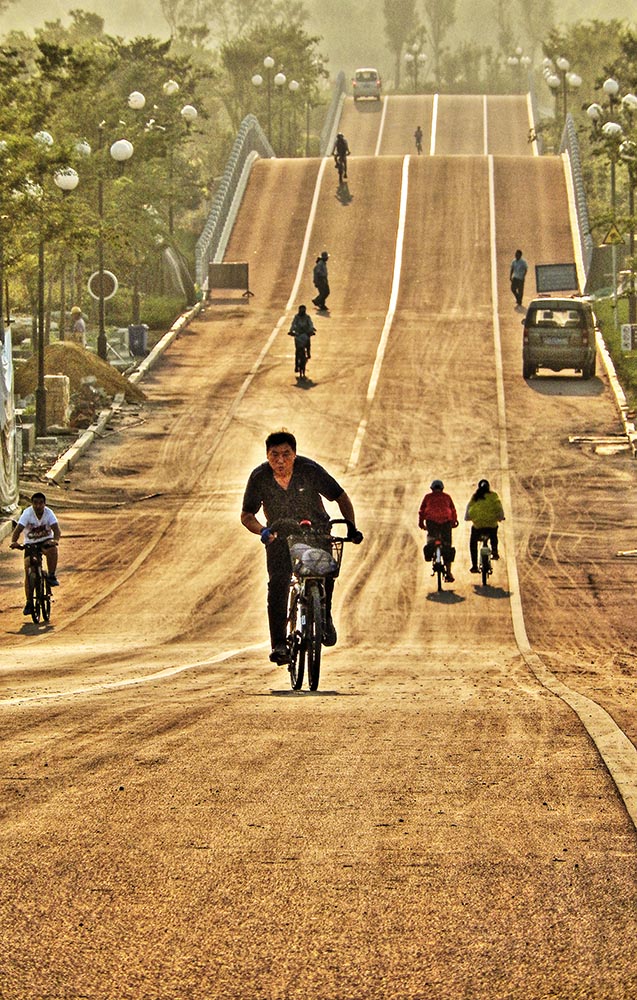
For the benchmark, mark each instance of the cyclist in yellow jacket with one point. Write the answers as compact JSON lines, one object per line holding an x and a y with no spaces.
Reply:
{"x":484,"y":510}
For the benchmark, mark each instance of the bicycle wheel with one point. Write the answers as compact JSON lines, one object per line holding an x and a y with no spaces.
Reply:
{"x":45,"y":602}
{"x":313,"y":635}
{"x":35,"y":585}
{"x":485,"y":564}
{"x":294,"y":642}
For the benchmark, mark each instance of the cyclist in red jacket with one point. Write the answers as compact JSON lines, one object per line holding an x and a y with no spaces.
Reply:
{"x":437,"y":515}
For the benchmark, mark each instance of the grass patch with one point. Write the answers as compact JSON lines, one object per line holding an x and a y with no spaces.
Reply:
{"x":625,"y":362}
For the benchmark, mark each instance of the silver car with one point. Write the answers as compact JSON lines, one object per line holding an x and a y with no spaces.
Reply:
{"x":366,"y":83}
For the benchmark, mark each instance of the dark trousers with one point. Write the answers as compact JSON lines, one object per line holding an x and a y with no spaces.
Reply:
{"x":279,"y":574}
{"x":441,"y":533}
{"x":476,"y":534}
{"x":517,"y":287}
{"x":322,"y":292}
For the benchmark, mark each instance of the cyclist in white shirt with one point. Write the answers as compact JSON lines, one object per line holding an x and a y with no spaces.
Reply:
{"x":40,"y":526}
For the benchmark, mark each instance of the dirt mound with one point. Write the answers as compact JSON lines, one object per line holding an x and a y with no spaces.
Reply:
{"x":69,"y":359}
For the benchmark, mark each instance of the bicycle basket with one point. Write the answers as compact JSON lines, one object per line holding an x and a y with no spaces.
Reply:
{"x":312,"y":560}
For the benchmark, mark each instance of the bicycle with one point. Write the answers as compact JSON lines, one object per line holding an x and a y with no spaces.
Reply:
{"x":435,"y":550}
{"x":341,"y":166}
{"x":39,"y":585}
{"x":316,"y":557}
{"x":484,"y":559}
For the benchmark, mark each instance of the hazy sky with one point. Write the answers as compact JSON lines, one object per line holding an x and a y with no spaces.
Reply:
{"x":352,"y":30}
{"x":121,"y":17}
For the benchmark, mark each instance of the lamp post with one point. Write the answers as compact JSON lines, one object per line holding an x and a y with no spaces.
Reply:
{"x":628,"y":155}
{"x":567,"y":79}
{"x":279,"y":82}
{"x":415,"y":59}
{"x":293,"y":87}
{"x":268,"y":64}
{"x":120,"y":151}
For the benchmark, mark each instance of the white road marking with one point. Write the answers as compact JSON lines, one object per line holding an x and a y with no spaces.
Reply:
{"x":434,"y":125}
{"x":381,"y":127}
{"x":389,"y":318}
{"x":616,"y":750}
{"x":159,"y":675}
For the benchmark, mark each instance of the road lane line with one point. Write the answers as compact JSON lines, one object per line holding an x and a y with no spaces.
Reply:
{"x":381,"y":127}
{"x":434,"y":126}
{"x":389,"y":318}
{"x":616,"y":750}
{"x":159,"y":675}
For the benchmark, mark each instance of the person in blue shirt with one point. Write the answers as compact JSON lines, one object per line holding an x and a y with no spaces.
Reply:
{"x":517,"y":274}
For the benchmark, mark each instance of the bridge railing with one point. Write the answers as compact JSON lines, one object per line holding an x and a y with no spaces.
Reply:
{"x":570,"y":144}
{"x":333,"y":115}
{"x":251,"y":141}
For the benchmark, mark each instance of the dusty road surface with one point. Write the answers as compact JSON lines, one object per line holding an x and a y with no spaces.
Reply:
{"x":437,"y":821}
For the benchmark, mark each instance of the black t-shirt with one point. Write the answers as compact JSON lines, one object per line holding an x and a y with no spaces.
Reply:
{"x":302,"y":499}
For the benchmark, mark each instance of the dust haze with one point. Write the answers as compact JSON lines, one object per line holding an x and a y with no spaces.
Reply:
{"x":352,"y":30}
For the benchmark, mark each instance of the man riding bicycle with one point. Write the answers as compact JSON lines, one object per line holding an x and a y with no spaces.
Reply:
{"x":289,"y":486}
{"x":340,"y":153}
{"x":40,"y":527}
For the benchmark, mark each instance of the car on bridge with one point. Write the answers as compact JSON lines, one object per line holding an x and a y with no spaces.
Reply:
{"x":366,"y":83}
{"x":559,"y":333}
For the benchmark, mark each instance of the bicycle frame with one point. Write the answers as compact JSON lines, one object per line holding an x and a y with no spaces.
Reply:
{"x":484,"y":558}
{"x":38,"y":584}
{"x":438,"y":563}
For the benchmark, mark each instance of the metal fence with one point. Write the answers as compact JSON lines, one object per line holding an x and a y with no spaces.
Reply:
{"x":333,"y":115}
{"x":570,"y":145}
{"x":250,"y":140}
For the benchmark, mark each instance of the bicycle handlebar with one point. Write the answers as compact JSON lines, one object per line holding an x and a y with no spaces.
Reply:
{"x":288,"y":526}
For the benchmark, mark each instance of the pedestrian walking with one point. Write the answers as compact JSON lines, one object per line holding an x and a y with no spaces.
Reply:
{"x":320,"y":281}
{"x":517,"y":274}
{"x":418,"y":138}
{"x":78,"y":333}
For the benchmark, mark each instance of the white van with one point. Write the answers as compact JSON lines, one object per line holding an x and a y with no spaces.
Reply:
{"x":366,"y":83}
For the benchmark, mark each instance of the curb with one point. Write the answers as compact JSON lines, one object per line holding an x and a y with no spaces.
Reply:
{"x":618,"y":393}
{"x":71,"y":455}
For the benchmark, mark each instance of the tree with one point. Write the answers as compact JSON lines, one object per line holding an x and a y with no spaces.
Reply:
{"x":400,"y":22}
{"x":440,"y":16}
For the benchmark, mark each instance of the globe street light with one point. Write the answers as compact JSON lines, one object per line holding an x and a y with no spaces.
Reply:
{"x":121,"y":151}
{"x":279,"y":81}
{"x":293,"y":86}
{"x":268,"y":63}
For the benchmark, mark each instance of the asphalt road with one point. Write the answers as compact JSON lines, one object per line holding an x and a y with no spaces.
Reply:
{"x":437,"y":821}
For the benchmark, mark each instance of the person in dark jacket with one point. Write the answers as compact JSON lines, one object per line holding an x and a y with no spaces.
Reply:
{"x":302,"y":329}
{"x":289,"y":486}
{"x":321,"y":283}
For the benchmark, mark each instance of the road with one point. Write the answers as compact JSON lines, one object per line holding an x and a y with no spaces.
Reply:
{"x":437,"y":821}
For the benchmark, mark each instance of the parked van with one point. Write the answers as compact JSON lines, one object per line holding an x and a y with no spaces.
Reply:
{"x":559,"y":333}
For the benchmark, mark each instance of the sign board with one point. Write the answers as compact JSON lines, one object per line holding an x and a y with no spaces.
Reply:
{"x":556,"y":278}
{"x":629,"y":336}
{"x":613,"y":237}
{"x":230,"y":275}
{"x":107,"y":281}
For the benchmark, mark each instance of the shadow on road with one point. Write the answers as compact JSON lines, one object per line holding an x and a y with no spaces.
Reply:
{"x":289,"y":693}
{"x":565,"y":385}
{"x":304,"y":383}
{"x":445,"y":597}
{"x":343,"y":194}
{"x":492,"y":592}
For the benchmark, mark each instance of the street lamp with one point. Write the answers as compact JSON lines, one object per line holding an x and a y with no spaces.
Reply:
{"x":628,"y":155}
{"x":279,"y":81}
{"x":293,"y":86}
{"x":268,"y":63}
{"x":120,"y":151}
{"x":415,"y":60}
{"x":568,"y":79}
